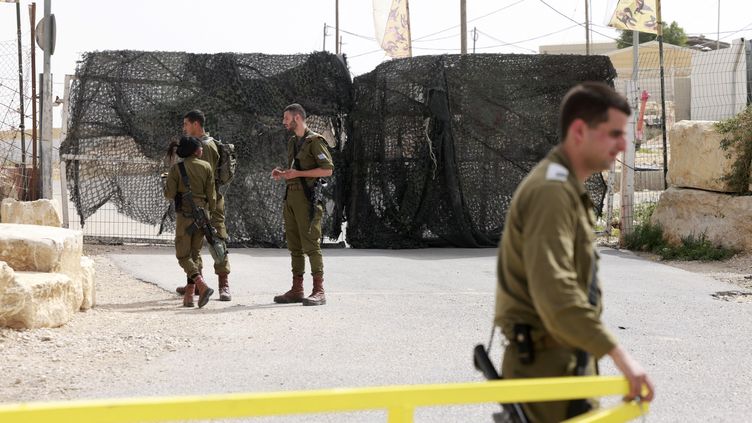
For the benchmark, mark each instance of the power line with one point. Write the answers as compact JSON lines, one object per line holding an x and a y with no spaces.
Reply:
{"x":471,"y":20}
{"x":578,"y":23}
{"x":365,"y":37}
{"x":505,"y":43}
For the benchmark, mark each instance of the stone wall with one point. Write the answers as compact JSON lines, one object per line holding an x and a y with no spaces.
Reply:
{"x":40,"y":212}
{"x":697,"y":159}
{"x":723,"y":218}
{"x":44,"y":278}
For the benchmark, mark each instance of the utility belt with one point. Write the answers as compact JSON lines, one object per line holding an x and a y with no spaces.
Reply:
{"x":526,"y":347}
{"x":295,"y":187}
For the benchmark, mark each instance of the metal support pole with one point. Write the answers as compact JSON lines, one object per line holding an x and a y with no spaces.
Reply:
{"x":34,"y":169}
{"x":336,"y":27}
{"x":663,"y":94}
{"x":21,"y":110}
{"x":463,"y":26}
{"x":46,"y":117}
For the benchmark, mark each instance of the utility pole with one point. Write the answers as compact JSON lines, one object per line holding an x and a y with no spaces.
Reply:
{"x":718,"y":28}
{"x":324,"y":47}
{"x":336,"y":27}
{"x":587,"y":28}
{"x":475,"y":37}
{"x":463,"y":26}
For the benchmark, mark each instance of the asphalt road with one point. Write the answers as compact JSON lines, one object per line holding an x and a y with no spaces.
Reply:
{"x":397,"y":317}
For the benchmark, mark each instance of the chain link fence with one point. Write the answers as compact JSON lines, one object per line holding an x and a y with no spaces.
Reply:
{"x":699,"y":85}
{"x":16,"y":145}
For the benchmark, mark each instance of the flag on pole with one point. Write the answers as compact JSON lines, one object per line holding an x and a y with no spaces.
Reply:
{"x":635,"y":15}
{"x":393,"y":27}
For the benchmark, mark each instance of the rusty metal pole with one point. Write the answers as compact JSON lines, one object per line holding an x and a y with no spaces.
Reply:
{"x":34,"y":170}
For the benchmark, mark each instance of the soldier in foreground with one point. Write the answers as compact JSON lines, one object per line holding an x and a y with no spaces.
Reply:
{"x":548,"y":298}
{"x":309,"y":160}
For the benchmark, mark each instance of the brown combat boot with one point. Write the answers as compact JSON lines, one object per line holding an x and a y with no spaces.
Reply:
{"x":204,"y":292}
{"x":181,"y":289}
{"x":317,"y":296}
{"x":188,"y":295}
{"x":294,"y":295}
{"x":224,"y":288}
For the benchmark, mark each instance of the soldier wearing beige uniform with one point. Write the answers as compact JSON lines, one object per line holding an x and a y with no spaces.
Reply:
{"x":548,"y":301}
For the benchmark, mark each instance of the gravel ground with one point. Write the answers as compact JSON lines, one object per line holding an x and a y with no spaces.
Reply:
{"x":94,"y":342}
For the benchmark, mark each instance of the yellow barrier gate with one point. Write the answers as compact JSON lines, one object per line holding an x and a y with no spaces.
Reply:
{"x":399,"y":401}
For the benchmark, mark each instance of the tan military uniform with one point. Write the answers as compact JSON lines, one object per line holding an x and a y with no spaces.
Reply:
{"x":211,"y":156}
{"x":546,"y":265}
{"x":201,"y":178}
{"x":303,"y":236}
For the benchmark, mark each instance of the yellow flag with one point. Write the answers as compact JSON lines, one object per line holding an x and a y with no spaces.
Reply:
{"x":393,"y":29}
{"x":635,"y":15}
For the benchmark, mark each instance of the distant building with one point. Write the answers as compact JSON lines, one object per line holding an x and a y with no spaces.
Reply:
{"x":705,"y":44}
{"x":595,"y":48}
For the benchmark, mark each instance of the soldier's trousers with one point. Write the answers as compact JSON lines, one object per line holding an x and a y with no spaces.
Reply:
{"x":303,"y":237}
{"x":552,"y":362}
{"x":218,"y":222}
{"x":188,"y":247}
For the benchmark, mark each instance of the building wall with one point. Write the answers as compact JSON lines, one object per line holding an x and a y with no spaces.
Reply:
{"x":719,"y":83}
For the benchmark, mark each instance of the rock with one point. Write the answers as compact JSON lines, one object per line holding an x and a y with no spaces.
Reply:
{"x":697,"y":159}
{"x":40,"y":212}
{"x":86,"y":281}
{"x":34,"y":299}
{"x":34,"y":248}
{"x":723,"y":218}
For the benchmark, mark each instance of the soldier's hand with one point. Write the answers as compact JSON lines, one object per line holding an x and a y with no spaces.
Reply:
{"x":277,"y":173}
{"x":290,"y":174}
{"x":635,"y":374}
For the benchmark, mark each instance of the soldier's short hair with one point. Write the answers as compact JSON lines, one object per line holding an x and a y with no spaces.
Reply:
{"x":195,"y":116}
{"x":296,"y":109}
{"x":590,"y":102}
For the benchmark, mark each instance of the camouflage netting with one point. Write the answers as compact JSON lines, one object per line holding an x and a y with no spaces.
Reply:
{"x":126,"y":106}
{"x":438,"y":144}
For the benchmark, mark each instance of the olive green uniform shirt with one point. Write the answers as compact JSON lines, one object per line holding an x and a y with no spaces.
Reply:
{"x":312,"y":153}
{"x":201,"y":179}
{"x":547,"y":260}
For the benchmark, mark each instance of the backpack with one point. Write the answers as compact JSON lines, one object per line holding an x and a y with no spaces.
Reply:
{"x":226,"y":163}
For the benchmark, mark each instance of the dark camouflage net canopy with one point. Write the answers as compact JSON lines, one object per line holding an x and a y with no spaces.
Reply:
{"x":439,"y":144}
{"x":428,"y":150}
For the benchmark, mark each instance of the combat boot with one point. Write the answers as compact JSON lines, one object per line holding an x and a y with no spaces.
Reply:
{"x":188,"y":295}
{"x":204,"y":292}
{"x":317,"y":296}
{"x":224,"y":288}
{"x":181,"y":289}
{"x":294,"y":295}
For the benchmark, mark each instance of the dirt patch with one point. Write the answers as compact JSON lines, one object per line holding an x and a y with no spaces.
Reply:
{"x":132,"y":323}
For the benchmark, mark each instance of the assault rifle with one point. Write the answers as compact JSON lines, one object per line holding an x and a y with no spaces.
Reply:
{"x":511,"y":413}
{"x":217,"y":247}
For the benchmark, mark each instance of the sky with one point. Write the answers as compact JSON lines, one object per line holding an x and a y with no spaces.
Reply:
{"x":297,"y":26}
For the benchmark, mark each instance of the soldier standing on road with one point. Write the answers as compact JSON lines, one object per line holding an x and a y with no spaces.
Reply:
{"x":548,"y":301}
{"x":188,"y":245}
{"x":193,"y":126}
{"x":309,"y":160}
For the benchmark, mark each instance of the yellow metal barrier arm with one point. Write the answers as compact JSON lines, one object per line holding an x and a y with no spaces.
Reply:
{"x":399,"y":401}
{"x":621,"y":413}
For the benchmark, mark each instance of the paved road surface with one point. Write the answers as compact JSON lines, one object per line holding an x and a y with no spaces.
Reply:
{"x":413,"y":316}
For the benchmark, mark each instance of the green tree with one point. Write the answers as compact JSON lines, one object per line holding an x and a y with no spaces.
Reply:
{"x":672,"y":34}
